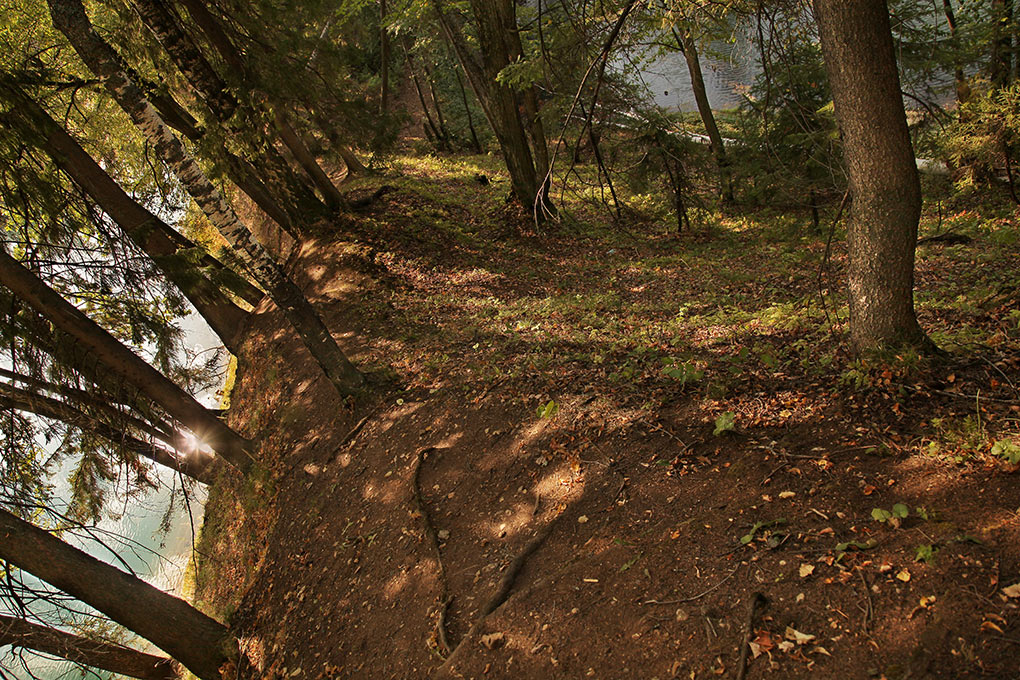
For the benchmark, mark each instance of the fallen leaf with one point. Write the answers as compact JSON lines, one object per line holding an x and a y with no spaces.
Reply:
{"x":787,"y":494}
{"x":806,"y":570}
{"x":821,"y":650}
{"x":786,"y":646}
{"x":493,"y":640}
{"x":796,"y":636}
{"x":582,"y":519}
{"x":869,"y":489}
{"x":988,"y":625}
{"x":755,"y":649}
{"x":1012,"y":591}
{"x":927,"y":601}
{"x":903,"y":575}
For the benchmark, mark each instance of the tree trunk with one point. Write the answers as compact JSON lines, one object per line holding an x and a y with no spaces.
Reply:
{"x":962,"y":88}
{"x":1001,"y":71}
{"x":690,"y":52}
{"x":69,"y":17}
{"x":194,"y":465}
{"x":105,"y":656}
{"x":330,"y":194}
{"x":98,"y":403}
{"x":476,"y":145}
{"x":499,"y":103}
{"x":146,"y":230}
{"x":860,"y":60}
{"x":119,"y":360}
{"x":222,"y":103}
{"x":186,"y":634}
{"x":384,"y":61}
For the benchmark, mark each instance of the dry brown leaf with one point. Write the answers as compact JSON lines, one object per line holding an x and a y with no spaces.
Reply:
{"x":493,"y":640}
{"x":1012,"y":591}
{"x":795,"y":635}
{"x":806,"y":570}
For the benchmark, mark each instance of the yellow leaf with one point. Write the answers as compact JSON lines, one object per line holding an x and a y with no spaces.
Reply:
{"x":806,"y":570}
{"x":903,"y":575}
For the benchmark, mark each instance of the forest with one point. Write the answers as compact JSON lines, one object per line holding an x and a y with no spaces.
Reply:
{"x":670,"y":339}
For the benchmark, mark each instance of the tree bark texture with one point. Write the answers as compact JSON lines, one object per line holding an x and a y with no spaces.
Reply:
{"x":105,"y":656}
{"x":186,"y":634}
{"x":164,"y":25}
{"x":90,"y":338}
{"x":886,"y":193}
{"x":496,"y":22}
{"x":384,"y":61}
{"x":69,"y":17}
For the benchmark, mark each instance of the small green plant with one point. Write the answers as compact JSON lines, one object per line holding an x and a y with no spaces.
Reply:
{"x":898,"y":513}
{"x":1007,"y":450}
{"x":772,"y":538}
{"x":857,"y":545}
{"x":725,"y":422}
{"x":683,"y":373}
{"x":548,"y":410}
{"x":925,"y":553}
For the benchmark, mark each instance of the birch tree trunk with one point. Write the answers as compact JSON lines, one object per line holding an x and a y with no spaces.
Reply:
{"x":199,"y":643}
{"x":159,"y":19}
{"x":70,"y":19}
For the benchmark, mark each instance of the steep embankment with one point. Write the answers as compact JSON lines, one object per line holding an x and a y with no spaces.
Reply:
{"x":617,"y":441}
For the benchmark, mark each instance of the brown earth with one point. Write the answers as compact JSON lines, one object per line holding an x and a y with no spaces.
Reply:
{"x":623,"y":510}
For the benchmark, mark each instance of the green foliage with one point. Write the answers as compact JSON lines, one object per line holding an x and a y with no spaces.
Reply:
{"x":898,"y":513}
{"x":983,"y":138}
{"x":925,"y":553}
{"x":1008,"y":450}
{"x":725,"y":422}
{"x":682,"y":372}
{"x":548,"y":410}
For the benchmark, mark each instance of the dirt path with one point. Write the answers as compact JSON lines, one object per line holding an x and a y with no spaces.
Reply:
{"x":633,"y":534}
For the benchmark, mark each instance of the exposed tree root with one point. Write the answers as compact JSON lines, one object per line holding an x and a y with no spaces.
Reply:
{"x":503,"y":591}
{"x":430,"y":532}
{"x":757,"y":601}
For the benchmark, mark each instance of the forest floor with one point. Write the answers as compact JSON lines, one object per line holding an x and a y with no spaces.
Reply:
{"x":613,"y":438}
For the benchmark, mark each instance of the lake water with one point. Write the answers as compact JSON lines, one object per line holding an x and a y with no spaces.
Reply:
{"x":160,"y":558}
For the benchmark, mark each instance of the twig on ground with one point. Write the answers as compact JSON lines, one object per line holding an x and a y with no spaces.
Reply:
{"x":351,"y":436}
{"x":772,"y":474}
{"x":699,"y":595}
{"x":870,"y":611}
{"x":757,"y":601}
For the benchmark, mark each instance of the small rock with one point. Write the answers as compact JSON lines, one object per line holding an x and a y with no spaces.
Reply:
{"x":443,"y":534}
